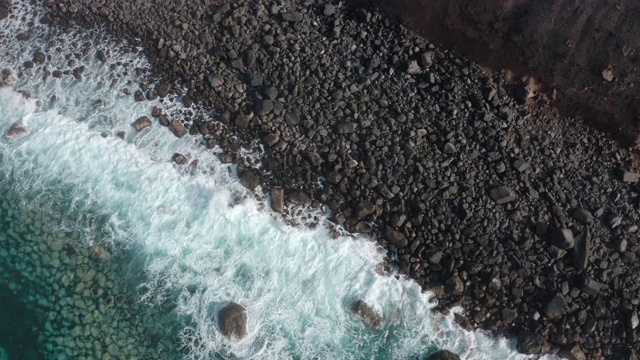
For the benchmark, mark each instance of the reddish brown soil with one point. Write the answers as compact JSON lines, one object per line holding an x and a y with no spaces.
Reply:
{"x":566,"y":44}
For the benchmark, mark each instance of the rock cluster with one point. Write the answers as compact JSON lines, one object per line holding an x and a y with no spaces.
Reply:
{"x":527,"y":220}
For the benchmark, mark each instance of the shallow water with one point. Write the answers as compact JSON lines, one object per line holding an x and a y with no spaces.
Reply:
{"x":181,"y":243}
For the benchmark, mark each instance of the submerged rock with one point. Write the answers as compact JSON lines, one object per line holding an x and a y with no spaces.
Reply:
{"x":369,"y":316}
{"x":17,"y":130}
{"x":443,"y":355}
{"x":232,"y":320}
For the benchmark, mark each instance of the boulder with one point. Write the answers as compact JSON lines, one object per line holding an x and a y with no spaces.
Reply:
{"x":177,"y":128}
{"x":142,"y":123}
{"x":17,"y":130}
{"x":443,"y":355}
{"x":299,"y":198}
{"x":250,"y":180}
{"x":369,"y":316}
{"x":454,"y":286}
{"x":292,"y":16}
{"x":365,"y":209}
{"x":232,"y":321}
{"x":395,"y":237}
{"x":277,"y":200}
{"x":583,"y":216}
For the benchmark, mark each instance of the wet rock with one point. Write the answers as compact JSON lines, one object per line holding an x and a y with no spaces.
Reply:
{"x":179,"y":159}
{"x":531,"y":343}
{"x":395,"y":237}
{"x":101,"y":56}
{"x":142,"y":123}
{"x":563,"y":238}
{"x":454,"y":286}
{"x":242,"y":121}
{"x":232,"y":321}
{"x":39,"y":57}
{"x":215,"y":80}
{"x":138,"y":95}
{"x":250,"y":179}
{"x":177,"y":128}
{"x":17,"y":130}
{"x":100,"y":253}
{"x":574,"y":353}
{"x":299,"y":198}
{"x":368,"y":315}
{"x":277,"y":199}
{"x":443,"y":355}
{"x":502,"y":194}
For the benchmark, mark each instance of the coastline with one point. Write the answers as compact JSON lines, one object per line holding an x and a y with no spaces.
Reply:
{"x":293,"y":147}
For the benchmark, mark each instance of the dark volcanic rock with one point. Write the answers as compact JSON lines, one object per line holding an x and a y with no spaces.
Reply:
{"x":179,"y":159}
{"x":368,"y":315}
{"x":299,"y":197}
{"x":232,"y":321}
{"x":583,"y":216}
{"x":443,"y":355}
{"x":364,"y":209}
{"x":582,"y":250}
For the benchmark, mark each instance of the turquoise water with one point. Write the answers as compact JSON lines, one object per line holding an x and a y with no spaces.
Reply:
{"x":119,"y":253}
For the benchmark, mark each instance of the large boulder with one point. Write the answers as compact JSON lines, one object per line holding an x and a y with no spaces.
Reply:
{"x":368,"y":315}
{"x":142,"y":123}
{"x":232,"y":320}
{"x":443,"y":355}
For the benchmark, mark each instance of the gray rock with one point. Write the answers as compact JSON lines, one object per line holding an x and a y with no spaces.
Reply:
{"x":556,"y":307}
{"x":264,"y":106}
{"x":215,"y":80}
{"x":292,"y":118}
{"x":347,"y":128}
{"x":242,"y":121}
{"x":232,"y":320}
{"x":329,"y":10}
{"x":520,"y":165}
{"x":142,"y":123}
{"x":574,"y":353}
{"x":563,"y":238}
{"x":395,"y":237}
{"x":365,"y":312}
{"x":413,"y":67}
{"x":582,"y":250}
{"x":364,"y":209}
{"x":426,"y":59}
{"x":277,"y":199}
{"x":449,"y":148}
{"x":628,"y":176}
{"x":591,"y":287}
{"x":292,"y":16}
{"x":443,"y":355}
{"x":502,"y":194}
{"x":454,"y":286}
{"x":299,"y":198}
{"x":138,"y":95}
{"x":583,"y":216}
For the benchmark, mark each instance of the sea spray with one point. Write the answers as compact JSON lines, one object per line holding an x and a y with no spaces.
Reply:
{"x":199,"y":237}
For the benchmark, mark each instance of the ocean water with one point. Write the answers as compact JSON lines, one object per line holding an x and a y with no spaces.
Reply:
{"x":117,"y":252}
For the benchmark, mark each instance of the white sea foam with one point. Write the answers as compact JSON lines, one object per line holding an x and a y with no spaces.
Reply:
{"x":196,"y":241}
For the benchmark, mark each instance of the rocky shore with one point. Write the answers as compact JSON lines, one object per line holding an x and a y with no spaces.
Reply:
{"x":525,"y":219}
